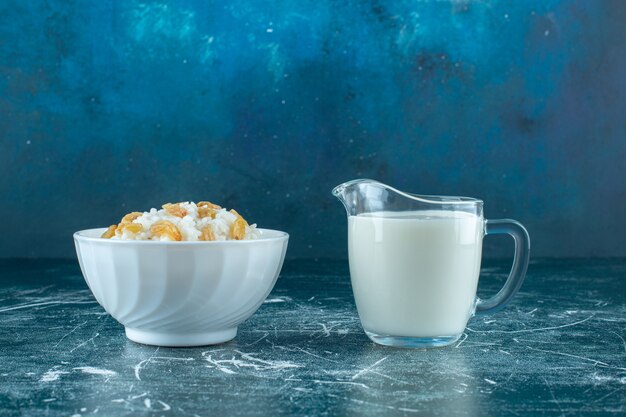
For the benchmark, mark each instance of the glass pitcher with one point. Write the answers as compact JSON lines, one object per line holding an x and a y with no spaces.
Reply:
{"x":415,"y":261}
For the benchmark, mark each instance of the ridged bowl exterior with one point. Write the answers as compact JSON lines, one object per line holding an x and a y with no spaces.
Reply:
{"x":176,"y":290}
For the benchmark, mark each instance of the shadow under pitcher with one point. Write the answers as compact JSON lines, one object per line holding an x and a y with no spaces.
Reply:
{"x":415,"y":262}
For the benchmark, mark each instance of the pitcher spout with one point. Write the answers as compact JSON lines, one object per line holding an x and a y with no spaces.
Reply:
{"x":361,"y":195}
{"x":369,"y":196}
{"x":342,"y":190}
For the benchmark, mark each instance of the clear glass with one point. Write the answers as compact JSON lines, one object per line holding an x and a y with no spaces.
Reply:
{"x":415,"y":262}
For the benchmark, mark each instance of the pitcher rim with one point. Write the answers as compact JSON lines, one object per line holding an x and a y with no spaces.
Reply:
{"x":445,"y":199}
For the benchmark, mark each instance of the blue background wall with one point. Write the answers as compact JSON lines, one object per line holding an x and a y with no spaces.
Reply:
{"x":109,"y":107}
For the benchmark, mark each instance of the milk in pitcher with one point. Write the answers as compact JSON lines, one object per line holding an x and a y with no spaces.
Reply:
{"x":415,"y":273}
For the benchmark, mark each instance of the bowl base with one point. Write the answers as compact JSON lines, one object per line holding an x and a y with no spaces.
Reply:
{"x":155,"y":338}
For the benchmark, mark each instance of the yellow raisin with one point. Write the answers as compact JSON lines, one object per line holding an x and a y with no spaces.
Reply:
{"x":130,"y":227}
{"x":238,"y":215}
{"x":207,"y":233}
{"x":110,"y":232}
{"x":167,"y":229}
{"x":175,"y":210}
{"x":238,"y":229}
{"x":206,"y":212}
{"x":130,"y":217}
{"x":209,"y":205}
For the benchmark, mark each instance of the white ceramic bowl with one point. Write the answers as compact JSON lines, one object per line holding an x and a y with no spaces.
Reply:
{"x":180,"y":293}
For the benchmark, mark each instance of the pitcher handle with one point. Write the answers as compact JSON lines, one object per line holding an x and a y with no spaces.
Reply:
{"x":518,"y":270}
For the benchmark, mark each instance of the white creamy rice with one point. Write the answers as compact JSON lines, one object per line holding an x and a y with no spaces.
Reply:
{"x":190,"y":226}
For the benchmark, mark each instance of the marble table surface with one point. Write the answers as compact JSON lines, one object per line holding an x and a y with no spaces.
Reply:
{"x":558,"y":349}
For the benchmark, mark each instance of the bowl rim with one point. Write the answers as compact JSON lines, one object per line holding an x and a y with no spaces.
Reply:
{"x":80,"y":236}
